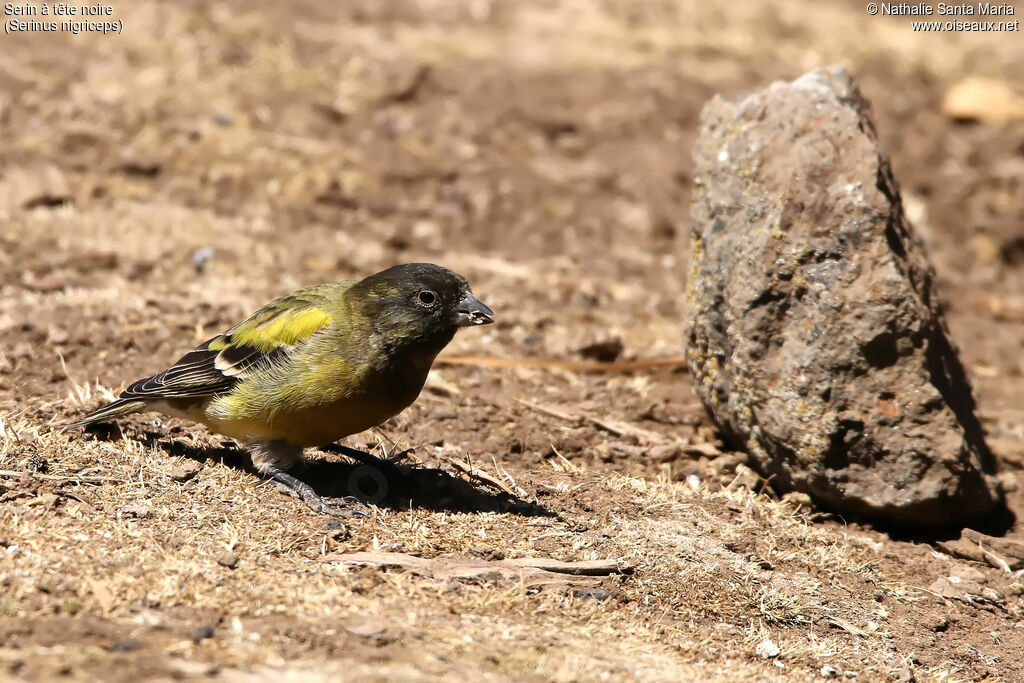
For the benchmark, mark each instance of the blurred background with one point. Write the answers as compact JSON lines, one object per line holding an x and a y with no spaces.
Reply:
{"x":214,"y":154}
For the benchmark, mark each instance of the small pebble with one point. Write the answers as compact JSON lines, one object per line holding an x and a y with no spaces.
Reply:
{"x":598,"y":594}
{"x":227,"y":559}
{"x":829,"y":671}
{"x":907,"y":676}
{"x":487,"y":553}
{"x":693,"y":480}
{"x":969,"y":573}
{"x":38,"y":463}
{"x":767,"y":649}
{"x":126,"y":645}
{"x":666,"y":452}
{"x":797,"y":498}
{"x":200,"y":257}
{"x":47,"y":500}
{"x":202,"y":633}
{"x":746,"y":477}
{"x":136,"y":510}
{"x":185,"y":470}
{"x":57,"y":336}
{"x":336,"y":529}
{"x":366,"y":629}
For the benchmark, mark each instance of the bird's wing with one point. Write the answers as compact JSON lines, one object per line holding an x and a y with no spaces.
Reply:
{"x":216,"y":365}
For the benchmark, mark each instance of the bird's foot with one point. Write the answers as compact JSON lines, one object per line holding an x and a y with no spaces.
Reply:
{"x":314,"y":501}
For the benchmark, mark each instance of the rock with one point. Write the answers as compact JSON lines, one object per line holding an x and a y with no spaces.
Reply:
{"x":370,"y":629}
{"x":227,"y":559}
{"x":815,"y":337}
{"x":201,"y":633}
{"x":57,"y":336}
{"x":745,"y":478}
{"x":596,"y":594}
{"x":666,"y":452}
{"x":964,"y":589}
{"x":766,"y":649}
{"x":797,"y":499}
{"x":126,"y":645}
{"x":969,"y":574}
{"x":200,"y":257}
{"x":336,"y":529}
{"x":1009,"y":550}
{"x":136,"y":510}
{"x":185,"y":470}
{"x":139,"y":163}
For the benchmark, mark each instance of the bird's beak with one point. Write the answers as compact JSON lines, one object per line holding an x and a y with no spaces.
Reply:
{"x":472,"y":311}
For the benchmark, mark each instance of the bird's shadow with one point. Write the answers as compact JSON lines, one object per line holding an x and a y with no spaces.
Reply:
{"x":397,"y":486}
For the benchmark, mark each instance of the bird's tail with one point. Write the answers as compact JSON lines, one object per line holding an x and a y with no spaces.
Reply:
{"x":119,"y":408}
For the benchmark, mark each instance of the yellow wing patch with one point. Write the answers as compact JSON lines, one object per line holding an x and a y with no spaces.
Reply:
{"x":280,"y":328}
{"x":281,"y":323}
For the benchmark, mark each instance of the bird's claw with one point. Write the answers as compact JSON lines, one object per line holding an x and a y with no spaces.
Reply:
{"x":322,"y":506}
{"x":314,"y":501}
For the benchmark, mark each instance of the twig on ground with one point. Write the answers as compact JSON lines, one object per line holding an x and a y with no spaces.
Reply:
{"x":521,"y":492}
{"x":533,"y":570}
{"x":481,"y":476}
{"x":59,"y":477}
{"x":570,"y":365}
{"x":559,"y":462}
{"x":706,"y":449}
{"x":848,"y":627}
{"x":551,"y":412}
{"x":616,"y":427}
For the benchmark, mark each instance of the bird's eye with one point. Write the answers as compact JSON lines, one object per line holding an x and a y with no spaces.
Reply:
{"x":426,"y":297}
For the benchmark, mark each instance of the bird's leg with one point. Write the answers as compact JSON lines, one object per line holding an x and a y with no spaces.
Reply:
{"x":272,"y":458}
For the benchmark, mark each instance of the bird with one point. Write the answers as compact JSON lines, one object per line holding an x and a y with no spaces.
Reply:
{"x":313,"y":367}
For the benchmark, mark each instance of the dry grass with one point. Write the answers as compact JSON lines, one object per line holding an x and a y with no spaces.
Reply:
{"x":138,"y":552}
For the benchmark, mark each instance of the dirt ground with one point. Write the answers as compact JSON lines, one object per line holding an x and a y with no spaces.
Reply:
{"x":158,"y":185}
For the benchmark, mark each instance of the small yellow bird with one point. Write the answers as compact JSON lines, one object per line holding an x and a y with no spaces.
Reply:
{"x":314,"y":366}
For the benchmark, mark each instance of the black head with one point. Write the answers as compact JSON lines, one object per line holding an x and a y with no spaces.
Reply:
{"x":419,"y":302}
